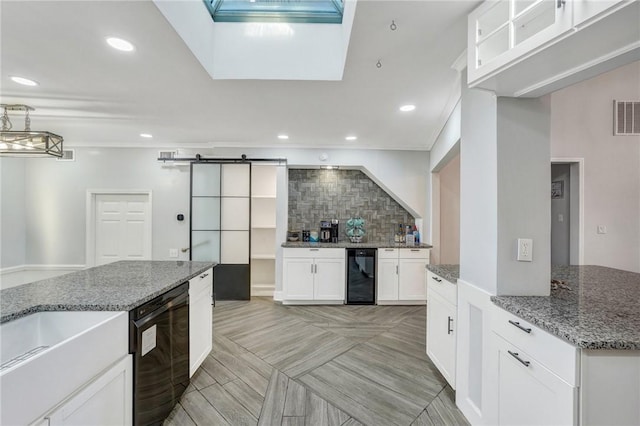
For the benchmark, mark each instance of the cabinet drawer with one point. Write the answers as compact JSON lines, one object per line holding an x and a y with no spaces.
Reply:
{"x":414,"y":253}
{"x":387,"y":253}
{"x":447,"y":290}
{"x":314,"y":252}
{"x":555,"y":354}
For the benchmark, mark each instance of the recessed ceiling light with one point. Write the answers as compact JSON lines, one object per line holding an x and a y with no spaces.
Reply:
{"x":120,"y":44}
{"x":24,"y":81}
{"x":407,"y":108}
{"x":351,"y":138}
{"x":146,"y":135}
{"x":283,"y":137}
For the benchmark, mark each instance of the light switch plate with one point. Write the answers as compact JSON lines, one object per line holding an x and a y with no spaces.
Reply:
{"x":525,"y":250}
{"x":173,"y":252}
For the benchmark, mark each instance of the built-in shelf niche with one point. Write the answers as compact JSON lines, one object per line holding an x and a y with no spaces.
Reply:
{"x":263,"y":229}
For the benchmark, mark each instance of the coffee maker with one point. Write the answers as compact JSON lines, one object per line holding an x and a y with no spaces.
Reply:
{"x":334,"y":230}
{"x":325,"y":231}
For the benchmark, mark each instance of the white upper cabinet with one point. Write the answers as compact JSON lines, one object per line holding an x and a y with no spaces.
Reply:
{"x":528,"y":48}
{"x":501,"y":31}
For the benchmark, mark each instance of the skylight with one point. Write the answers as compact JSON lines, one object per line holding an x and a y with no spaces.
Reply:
{"x":291,"y":11}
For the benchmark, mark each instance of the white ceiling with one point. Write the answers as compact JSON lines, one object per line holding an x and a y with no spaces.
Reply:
{"x":93,"y":95}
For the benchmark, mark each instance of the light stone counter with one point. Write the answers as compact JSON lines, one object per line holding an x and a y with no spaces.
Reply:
{"x":118,"y":286}
{"x":597,"y":308}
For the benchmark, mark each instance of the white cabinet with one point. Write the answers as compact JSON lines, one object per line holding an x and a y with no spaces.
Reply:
{"x":502,"y":31}
{"x":313,"y":275}
{"x":106,"y":400}
{"x":441,"y":325}
{"x":200,"y":319}
{"x":537,"y":380}
{"x":401,"y":276}
{"x":521,"y":47}
{"x":529,"y":393}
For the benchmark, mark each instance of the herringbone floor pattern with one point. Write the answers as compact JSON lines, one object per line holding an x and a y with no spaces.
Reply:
{"x":317,"y":365}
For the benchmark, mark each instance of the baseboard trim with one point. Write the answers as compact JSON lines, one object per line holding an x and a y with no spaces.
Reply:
{"x":277,"y":296}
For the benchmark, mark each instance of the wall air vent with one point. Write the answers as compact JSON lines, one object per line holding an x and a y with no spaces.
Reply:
{"x":626,"y":118}
{"x":167,"y":155}
{"x":67,"y":155}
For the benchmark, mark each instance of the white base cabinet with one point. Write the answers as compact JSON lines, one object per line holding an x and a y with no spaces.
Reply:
{"x":537,"y":374}
{"x":200,"y":319}
{"x":106,"y":400}
{"x":401,"y":276}
{"x":313,"y":275}
{"x":441,"y":325}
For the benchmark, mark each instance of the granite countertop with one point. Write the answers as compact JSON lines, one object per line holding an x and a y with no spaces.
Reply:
{"x":118,"y":286}
{"x":596,"y":308}
{"x":450,"y":273}
{"x":348,"y":244}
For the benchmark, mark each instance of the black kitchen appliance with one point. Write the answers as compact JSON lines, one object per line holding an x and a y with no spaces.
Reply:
{"x":361,"y":278}
{"x":334,"y":230}
{"x":325,"y":231}
{"x":159,"y":342}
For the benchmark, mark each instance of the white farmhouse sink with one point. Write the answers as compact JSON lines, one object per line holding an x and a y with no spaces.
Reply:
{"x":47,"y":356}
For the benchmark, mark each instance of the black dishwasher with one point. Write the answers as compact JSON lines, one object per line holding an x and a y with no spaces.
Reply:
{"x":361,"y":277}
{"x":159,"y":342}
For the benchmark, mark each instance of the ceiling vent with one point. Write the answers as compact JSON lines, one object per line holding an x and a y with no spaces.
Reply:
{"x":67,"y":155}
{"x":626,"y":118}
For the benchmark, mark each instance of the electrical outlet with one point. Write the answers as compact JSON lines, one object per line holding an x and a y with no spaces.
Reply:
{"x":602,"y":229}
{"x":525,"y":250}
{"x":173,"y":252}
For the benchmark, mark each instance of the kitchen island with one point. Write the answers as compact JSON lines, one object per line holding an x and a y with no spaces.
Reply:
{"x":571,"y":357}
{"x":118,"y":286}
{"x":74,"y":347}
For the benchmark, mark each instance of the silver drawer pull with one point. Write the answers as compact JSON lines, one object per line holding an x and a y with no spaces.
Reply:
{"x":204,"y":275}
{"x":314,"y":249}
{"x":449,"y":328}
{"x":389,"y":249}
{"x":517,"y":324}
{"x":437,"y":279}
{"x":415,"y":249}
{"x":516,"y":356}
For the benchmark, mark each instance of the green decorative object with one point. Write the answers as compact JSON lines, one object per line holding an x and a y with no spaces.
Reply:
{"x":355,"y":229}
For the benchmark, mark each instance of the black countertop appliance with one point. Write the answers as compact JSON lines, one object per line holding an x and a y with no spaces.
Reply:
{"x":334,"y":230}
{"x":325,"y":231}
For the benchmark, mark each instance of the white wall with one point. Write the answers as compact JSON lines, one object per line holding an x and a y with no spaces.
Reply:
{"x":582,"y":126}
{"x":12,"y":212}
{"x":55,"y":200}
{"x":445,"y":146}
{"x":524,"y":201}
{"x":478,"y":189}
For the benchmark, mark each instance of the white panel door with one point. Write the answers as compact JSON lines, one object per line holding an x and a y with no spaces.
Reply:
{"x":298,"y":277}
{"x":413,"y":279}
{"x":330,"y":280}
{"x":387,"y":279}
{"x":123,"y":227}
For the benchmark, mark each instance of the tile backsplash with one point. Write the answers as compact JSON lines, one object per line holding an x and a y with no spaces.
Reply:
{"x":319,"y":194}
